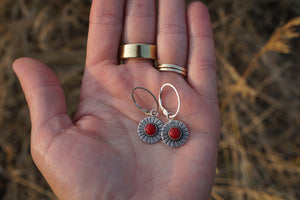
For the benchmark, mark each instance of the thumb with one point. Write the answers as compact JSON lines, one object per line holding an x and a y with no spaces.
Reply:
{"x":45,"y":98}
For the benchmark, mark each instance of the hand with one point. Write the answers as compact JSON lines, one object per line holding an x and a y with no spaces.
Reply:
{"x":98,"y":155}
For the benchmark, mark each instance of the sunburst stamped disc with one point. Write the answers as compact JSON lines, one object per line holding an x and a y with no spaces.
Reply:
{"x":149,"y":129}
{"x":174,"y":133}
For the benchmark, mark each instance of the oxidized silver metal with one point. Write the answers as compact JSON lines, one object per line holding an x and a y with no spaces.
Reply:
{"x":144,"y":136}
{"x":153,"y":112}
{"x":148,"y":120}
{"x":168,"y":140}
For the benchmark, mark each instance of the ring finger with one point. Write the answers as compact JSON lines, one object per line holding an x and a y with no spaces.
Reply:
{"x":172,"y":33}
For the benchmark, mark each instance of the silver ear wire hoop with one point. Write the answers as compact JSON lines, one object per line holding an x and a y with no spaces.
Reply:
{"x":153,"y":112}
{"x":168,"y":114}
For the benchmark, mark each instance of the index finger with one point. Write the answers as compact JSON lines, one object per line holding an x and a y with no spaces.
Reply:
{"x":105,"y":29}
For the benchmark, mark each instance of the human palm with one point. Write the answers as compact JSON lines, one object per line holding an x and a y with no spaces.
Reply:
{"x":98,"y":154}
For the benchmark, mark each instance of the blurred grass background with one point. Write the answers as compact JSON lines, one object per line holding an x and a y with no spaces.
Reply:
{"x":258,"y":54}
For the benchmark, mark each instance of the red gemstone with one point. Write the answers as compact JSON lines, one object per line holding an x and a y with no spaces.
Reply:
{"x":150,"y":129}
{"x":175,"y":133}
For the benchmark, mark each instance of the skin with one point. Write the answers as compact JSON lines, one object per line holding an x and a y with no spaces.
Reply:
{"x":98,"y":155}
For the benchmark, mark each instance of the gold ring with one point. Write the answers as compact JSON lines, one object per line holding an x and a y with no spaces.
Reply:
{"x":138,"y":51}
{"x":172,"y":68}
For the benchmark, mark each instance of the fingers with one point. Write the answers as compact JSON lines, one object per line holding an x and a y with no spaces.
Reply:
{"x":201,"y":61}
{"x":140,"y":22}
{"x":106,"y":19}
{"x":43,"y":93}
{"x":172,"y":33}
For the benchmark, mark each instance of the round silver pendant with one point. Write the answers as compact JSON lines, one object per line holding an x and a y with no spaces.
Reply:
{"x":149,"y":129}
{"x":174,"y":133}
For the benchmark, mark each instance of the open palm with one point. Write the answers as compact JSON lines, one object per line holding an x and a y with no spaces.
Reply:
{"x":98,"y":155}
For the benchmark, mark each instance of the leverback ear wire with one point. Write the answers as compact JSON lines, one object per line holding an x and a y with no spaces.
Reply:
{"x":153,"y":112}
{"x":150,"y":127}
{"x":169,"y":115}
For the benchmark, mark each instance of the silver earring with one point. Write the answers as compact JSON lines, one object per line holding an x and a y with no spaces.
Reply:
{"x":150,"y":127}
{"x":174,"y":133}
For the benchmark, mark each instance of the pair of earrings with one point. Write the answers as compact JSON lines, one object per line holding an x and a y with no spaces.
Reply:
{"x":151,"y":130}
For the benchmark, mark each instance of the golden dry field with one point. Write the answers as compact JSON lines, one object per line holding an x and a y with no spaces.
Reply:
{"x":258,"y":54}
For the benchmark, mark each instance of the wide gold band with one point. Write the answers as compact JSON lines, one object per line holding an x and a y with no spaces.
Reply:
{"x":173,"y":68}
{"x":138,"y":51}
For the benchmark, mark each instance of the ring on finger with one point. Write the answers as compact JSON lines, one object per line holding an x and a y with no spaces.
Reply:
{"x":172,"y":68}
{"x":138,"y":51}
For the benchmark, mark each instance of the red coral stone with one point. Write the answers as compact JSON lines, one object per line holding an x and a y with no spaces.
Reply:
{"x":150,"y":129}
{"x":175,"y":133}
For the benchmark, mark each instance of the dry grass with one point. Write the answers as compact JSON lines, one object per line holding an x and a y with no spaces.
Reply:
{"x":258,"y":55}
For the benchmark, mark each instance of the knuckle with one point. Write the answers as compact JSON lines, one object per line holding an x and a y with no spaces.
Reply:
{"x":172,"y":28}
{"x":105,"y":18}
{"x":202,"y":35}
{"x":141,"y":9}
{"x":204,"y":65}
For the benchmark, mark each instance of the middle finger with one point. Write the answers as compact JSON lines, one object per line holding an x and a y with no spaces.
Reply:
{"x":140,"y":22}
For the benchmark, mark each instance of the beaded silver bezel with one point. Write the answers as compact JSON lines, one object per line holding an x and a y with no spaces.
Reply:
{"x":144,"y":136}
{"x":165,"y":133}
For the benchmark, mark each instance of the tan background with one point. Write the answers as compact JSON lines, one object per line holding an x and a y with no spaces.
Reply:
{"x":258,"y":57}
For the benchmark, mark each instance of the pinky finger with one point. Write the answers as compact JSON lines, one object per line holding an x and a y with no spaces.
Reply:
{"x":202,"y":60}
